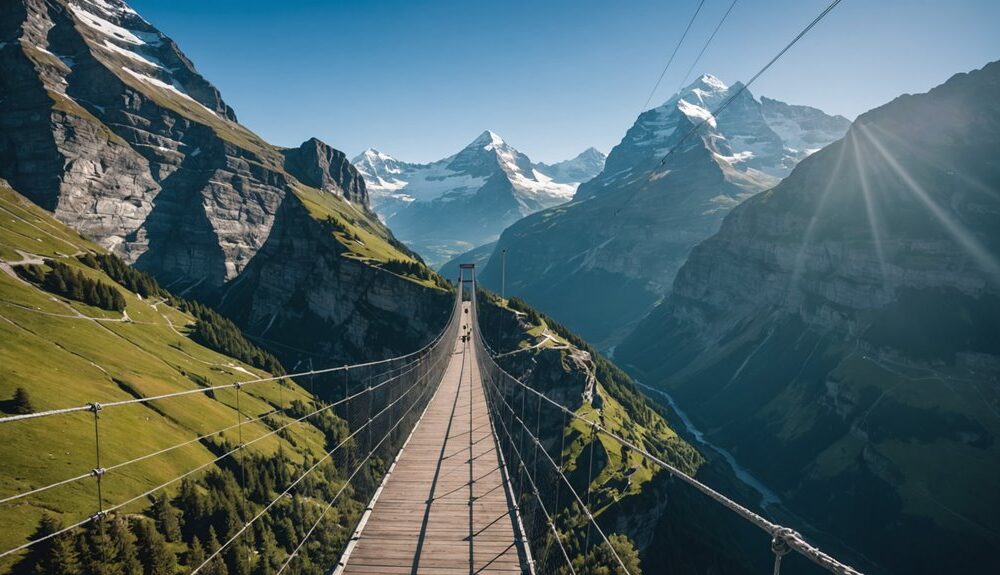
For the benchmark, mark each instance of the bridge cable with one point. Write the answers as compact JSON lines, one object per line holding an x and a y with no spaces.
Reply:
{"x":672,"y":55}
{"x":713,"y":115}
{"x":197,"y":439}
{"x":537,"y":441}
{"x":99,"y":472}
{"x":534,"y":487}
{"x":782,"y":534}
{"x":214,"y":388}
{"x":705,"y":47}
{"x":368,"y":424}
{"x":348,"y":481}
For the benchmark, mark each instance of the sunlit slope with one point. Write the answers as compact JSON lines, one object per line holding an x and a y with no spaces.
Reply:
{"x":626,"y":491}
{"x":839,"y":334}
{"x":67,"y":354}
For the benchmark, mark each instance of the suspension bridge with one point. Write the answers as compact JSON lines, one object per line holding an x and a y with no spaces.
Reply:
{"x":471,"y":485}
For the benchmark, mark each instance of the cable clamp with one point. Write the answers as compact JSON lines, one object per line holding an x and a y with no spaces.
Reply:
{"x":780,"y":538}
{"x":99,"y":515}
{"x":98,"y":472}
{"x":95,"y":407}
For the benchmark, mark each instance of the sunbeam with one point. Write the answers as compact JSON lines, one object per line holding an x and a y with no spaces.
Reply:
{"x":972,"y":246}
{"x":870,"y":209}
{"x":933,"y":162}
{"x":800,"y":257}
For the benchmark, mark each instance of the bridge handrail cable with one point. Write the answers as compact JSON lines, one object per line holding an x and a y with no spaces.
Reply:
{"x":783,"y":538}
{"x":416,"y":364}
{"x":207,"y":389}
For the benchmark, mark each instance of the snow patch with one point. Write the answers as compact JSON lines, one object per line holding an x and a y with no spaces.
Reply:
{"x":134,"y":37}
{"x":175,"y":88}
{"x":143,"y":59}
{"x":694,"y":111}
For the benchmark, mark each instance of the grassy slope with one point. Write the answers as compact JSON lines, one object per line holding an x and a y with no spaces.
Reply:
{"x":625,"y":474}
{"x":64,"y":357}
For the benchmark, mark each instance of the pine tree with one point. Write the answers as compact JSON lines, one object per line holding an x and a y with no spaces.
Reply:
{"x":98,"y":550}
{"x":22,"y":402}
{"x":124,"y":543}
{"x":216,"y":566}
{"x":56,"y":555}
{"x":195,"y":555}
{"x":167,"y":519}
{"x":156,"y":557}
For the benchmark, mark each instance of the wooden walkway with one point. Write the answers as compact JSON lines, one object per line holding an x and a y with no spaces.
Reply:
{"x":445,"y":508}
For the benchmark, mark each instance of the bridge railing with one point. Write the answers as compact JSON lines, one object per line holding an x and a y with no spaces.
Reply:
{"x":380,"y":402}
{"x":544,"y":491}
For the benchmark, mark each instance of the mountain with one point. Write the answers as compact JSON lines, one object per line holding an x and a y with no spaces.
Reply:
{"x":580,"y":169}
{"x":64,"y":352}
{"x":447,"y":207}
{"x":479,"y":256}
{"x":109,"y":126}
{"x":627,"y":231}
{"x":838,"y":335}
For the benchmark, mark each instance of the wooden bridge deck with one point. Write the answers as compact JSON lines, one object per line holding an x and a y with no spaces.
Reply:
{"x":445,"y":508}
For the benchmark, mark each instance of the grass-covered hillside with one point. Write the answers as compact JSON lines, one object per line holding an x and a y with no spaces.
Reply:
{"x":626,"y":490}
{"x":57,"y":351}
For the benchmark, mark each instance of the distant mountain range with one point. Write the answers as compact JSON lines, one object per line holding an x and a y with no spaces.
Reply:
{"x":465,"y":200}
{"x":627,"y":231}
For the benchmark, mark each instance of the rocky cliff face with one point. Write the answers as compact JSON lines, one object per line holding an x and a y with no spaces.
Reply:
{"x":316,"y":164}
{"x":839,"y":333}
{"x":109,"y":126}
{"x":601,"y":262}
{"x":446,"y":207}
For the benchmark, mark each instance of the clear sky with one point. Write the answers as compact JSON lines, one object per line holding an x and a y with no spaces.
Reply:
{"x":419,"y":79}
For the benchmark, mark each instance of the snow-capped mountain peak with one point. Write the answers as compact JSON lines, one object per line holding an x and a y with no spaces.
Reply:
{"x":487,"y":140}
{"x":478,"y":191}
{"x":755,"y":142}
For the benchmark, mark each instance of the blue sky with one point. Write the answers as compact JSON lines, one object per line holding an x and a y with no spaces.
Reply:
{"x":420,"y":79}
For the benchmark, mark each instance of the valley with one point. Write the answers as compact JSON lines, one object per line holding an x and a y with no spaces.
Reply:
{"x":755,"y":336}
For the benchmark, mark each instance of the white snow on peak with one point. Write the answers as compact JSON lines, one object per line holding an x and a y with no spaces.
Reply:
{"x":487,"y":139}
{"x":111,"y":9}
{"x":114,"y":31}
{"x":696,"y":112}
{"x":712,"y":82}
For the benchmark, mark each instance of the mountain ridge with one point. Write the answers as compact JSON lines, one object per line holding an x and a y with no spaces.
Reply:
{"x":449,"y":206}
{"x":864,"y":352}
{"x":108,"y":125}
{"x":629,"y":229}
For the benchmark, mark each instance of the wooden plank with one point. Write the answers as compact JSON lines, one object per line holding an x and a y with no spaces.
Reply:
{"x":445,"y":508}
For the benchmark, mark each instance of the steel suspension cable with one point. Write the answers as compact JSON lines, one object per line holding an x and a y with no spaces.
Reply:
{"x":348,"y":481}
{"x":196,"y":439}
{"x":672,"y":56}
{"x":592,"y":520}
{"x":208,"y":389}
{"x":104,"y":512}
{"x":705,"y":47}
{"x":743,"y":88}
{"x":548,"y":517}
{"x":780,"y":533}
{"x":715,"y":113}
{"x":301,"y":477}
